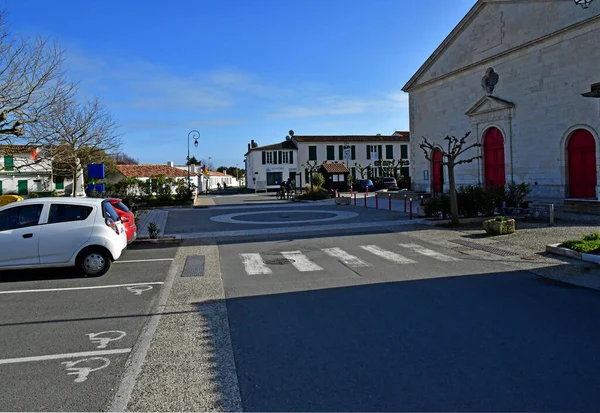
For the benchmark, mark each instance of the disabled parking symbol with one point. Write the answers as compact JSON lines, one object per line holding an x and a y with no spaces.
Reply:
{"x":89,"y":365}
{"x":104,"y":337}
{"x":139,"y":289}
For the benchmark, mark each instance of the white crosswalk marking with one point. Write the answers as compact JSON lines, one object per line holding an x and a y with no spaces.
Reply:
{"x":300,"y":261}
{"x":254,"y":264}
{"x":388,"y":255}
{"x":344,"y":257}
{"x":430,"y":253}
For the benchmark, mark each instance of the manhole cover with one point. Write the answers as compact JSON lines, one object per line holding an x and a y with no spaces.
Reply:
{"x":486,"y":248}
{"x":277,"y":261}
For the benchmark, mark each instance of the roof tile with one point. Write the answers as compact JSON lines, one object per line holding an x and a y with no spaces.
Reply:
{"x":146,"y":170}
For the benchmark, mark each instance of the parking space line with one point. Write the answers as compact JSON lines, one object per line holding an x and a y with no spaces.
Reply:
{"x":150,"y":260}
{"x":65,"y":356}
{"x":45,"y":290}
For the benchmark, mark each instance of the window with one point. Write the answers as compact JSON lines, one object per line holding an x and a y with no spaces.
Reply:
{"x":379,"y":152}
{"x":340,"y":152}
{"x":9,"y":164}
{"x":389,"y":151}
{"x":269,"y":157}
{"x":279,"y":158}
{"x":403,"y":151}
{"x":20,"y":217}
{"x":312,"y":153}
{"x":60,"y":183}
{"x":285,"y":157}
{"x":122,"y":206}
{"x":68,"y":213}
{"x":291,"y":156}
{"x":353,"y":155}
{"x":330,"y":153}
{"x":274,"y":178}
{"x":368,"y":151}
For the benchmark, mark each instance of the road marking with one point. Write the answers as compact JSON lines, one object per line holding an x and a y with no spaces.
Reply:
{"x":139,"y":289}
{"x":103,"y":341}
{"x":300,"y":261}
{"x":429,"y":253}
{"x":345,"y":258}
{"x":388,"y":255}
{"x":254,"y":264}
{"x":83,"y":372}
{"x":45,"y":290}
{"x":65,"y":356}
{"x":150,"y":260}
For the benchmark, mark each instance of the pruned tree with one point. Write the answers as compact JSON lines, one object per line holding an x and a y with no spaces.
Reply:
{"x":31,"y":85}
{"x":311,"y":166}
{"x":362,"y":170}
{"x":77,"y":134}
{"x":193,"y":161}
{"x":450,"y":159}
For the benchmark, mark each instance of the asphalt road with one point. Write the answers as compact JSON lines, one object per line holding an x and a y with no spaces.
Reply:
{"x":431,"y":335}
{"x":48,"y":360}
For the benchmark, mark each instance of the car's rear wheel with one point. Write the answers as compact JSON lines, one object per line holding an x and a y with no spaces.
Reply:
{"x":94,"y":262}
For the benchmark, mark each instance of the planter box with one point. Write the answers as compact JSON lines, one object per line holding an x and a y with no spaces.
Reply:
{"x":499,"y":227}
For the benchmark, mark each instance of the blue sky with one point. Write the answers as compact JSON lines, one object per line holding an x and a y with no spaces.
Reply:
{"x":237,"y":70}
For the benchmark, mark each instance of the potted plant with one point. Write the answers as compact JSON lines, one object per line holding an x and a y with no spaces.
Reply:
{"x":499,"y":225}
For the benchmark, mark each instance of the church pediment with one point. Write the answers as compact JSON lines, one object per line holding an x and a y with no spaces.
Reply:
{"x":488,"y":104}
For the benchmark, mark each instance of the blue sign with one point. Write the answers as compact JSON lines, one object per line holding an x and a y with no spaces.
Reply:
{"x":96,"y":171}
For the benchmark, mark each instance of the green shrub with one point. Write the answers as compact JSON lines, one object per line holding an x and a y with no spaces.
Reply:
{"x":438,"y":204}
{"x":153,"y":230}
{"x":583,"y":246}
{"x":594,"y":236}
{"x":318,"y":179}
{"x":33,"y":195}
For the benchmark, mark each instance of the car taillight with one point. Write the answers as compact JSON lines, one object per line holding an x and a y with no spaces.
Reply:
{"x":112,"y":224}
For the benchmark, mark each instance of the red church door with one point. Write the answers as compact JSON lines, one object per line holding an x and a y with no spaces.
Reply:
{"x":493,"y":158}
{"x":582,"y":165}
{"x":437,"y":171}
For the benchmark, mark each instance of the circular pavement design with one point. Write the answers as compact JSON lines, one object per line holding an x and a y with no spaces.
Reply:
{"x":284,"y":217}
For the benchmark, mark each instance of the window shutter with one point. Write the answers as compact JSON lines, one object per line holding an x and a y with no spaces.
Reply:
{"x":403,"y":151}
{"x":8,"y":163}
{"x":341,"y":152}
{"x":279,"y":155}
{"x":353,"y":156}
{"x":0,"y":187}
{"x":330,"y":153}
{"x":379,"y":152}
{"x":306,"y":176}
{"x":368,"y":151}
{"x":312,"y":153}
{"x":389,"y":152}
{"x":291,"y":156}
{"x":264,"y":158}
{"x":353,"y":171}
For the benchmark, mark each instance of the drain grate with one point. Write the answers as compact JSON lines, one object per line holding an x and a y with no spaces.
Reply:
{"x":194,"y":266}
{"x":486,"y":248}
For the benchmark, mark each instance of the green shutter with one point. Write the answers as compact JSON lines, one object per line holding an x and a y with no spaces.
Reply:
{"x":379,"y":152}
{"x":60,"y":183}
{"x":389,"y":152}
{"x":353,"y":152}
{"x":8,"y":163}
{"x":0,"y":187}
{"x":306,"y":176}
{"x":330,"y":153}
{"x":353,"y":171}
{"x":279,"y":157}
{"x":291,"y":156}
{"x":264,"y":158}
{"x":312,"y":153}
{"x":403,"y":151}
{"x":368,"y":151}
{"x":341,"y":152}
{"x":22,"y":188}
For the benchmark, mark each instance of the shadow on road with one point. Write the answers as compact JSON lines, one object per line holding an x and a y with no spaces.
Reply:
{"x":502,"y":342}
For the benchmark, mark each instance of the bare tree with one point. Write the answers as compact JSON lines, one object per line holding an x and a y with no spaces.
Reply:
{"x":456,"y":147}
{"x":122,"y":158}
{"x":362,"y":170}
{"x":31,"y":84}
{"x":79,"y":134}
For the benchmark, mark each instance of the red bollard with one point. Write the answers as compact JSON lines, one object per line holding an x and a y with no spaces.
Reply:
{"x":376,"y":202}
{"x":410,"y":214}
{"x":404,"y":203}
{"x":336,"y":193}
{"x":365,"y":200}
{"x":390,"y":201}
{"x":355,"y":199}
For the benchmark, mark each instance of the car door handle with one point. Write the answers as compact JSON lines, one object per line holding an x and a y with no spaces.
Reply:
{"x":30,"y":235}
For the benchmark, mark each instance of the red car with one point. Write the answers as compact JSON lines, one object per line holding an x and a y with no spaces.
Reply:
{"x":127,"y":217}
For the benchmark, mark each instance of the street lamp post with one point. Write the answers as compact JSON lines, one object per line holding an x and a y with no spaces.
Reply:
{"x":196,"y":136}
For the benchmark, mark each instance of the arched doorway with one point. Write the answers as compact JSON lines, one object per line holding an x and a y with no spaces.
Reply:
{"x":493,"y":158}
{"x":582,"y":165}
{"x":437,"y":171}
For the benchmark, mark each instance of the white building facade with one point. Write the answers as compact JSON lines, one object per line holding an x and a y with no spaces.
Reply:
{"x":366,"y":156}
{"x":519,"y":75}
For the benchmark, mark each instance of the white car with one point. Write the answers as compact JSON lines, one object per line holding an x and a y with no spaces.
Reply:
{"x":61,"y":232}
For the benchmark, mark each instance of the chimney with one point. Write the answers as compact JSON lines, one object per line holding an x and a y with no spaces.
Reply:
{"x":252,"y":142}
{"x":248,"y":147}
{"x":171,"y":164}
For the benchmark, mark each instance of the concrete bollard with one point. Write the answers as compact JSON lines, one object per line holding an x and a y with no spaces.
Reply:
{"x":551,"y":214}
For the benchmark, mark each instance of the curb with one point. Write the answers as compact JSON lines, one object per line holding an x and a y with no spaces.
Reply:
{"x":565,"y":252}
{"x":160,"y":240}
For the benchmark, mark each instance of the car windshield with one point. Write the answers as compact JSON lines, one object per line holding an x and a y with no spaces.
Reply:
{"x":389,"y":180}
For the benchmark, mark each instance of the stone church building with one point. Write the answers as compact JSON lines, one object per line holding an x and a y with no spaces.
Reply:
{"x":524,"y":77}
